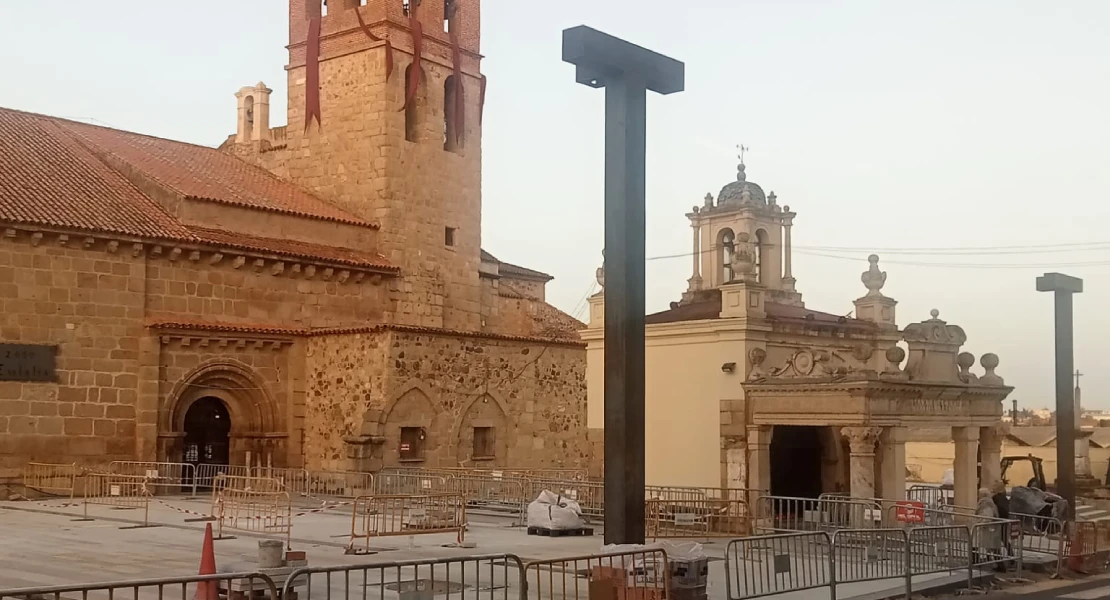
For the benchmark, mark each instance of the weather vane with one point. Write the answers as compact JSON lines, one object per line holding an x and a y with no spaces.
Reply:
{"x":742,"y":149}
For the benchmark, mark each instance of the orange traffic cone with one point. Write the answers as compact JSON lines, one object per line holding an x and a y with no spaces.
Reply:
{"x":207,"y":590}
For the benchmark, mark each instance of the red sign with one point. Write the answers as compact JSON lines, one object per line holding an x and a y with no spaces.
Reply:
{"x":908,"y":511}
{"x":1015,"y":530}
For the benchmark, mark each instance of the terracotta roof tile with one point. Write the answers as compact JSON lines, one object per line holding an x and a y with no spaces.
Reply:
{"x":228,"y":327}
{"x":207,"y":173}
{"x":293,"y":248}
{"x":512,"y":270}
{"x":47,"y":178}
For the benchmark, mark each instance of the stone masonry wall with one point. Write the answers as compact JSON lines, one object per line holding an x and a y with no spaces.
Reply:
{"x":532,"y":394}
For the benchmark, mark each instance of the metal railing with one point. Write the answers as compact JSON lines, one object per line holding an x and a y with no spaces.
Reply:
{"x":701,"y":518}
{"x":409,"y":484}
{"x":487,"y":577}
{"x":774,"y":564}
{"x":117,"y":491}
{"x":1041,"y":535}
{"x":382,"y":516}
{"x":589,"y":495}
{"x":860,"y":555}
{"x":782,"y":514}
{"x":52,"y":479}
{"x":931,"y":496}
{"x":340,"y":484}
{"x":172,"y":477}
{"x":637,"y":575}
{"x":206,"y":474}
{"x":254,"y":510}
{"x":251,"y":585}
{"x":485,"y":493}
{"x":939,"y":550}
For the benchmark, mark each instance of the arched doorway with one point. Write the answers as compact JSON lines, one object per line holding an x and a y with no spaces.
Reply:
{"x":207,"y":432}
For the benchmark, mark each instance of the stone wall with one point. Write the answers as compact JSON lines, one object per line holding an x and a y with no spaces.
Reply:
{"x":531,"y":393}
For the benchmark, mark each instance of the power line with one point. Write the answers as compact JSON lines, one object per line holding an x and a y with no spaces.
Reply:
{"x":966,"y":265}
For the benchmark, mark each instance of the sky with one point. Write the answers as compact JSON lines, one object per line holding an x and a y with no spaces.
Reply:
{"x":963,"y":142}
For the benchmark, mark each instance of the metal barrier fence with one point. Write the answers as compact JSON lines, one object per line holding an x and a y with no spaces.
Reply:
{"x":773,"y":564}
{"x":342,"y":484}
{"x":253,"y":510}
{"x":590,"y":495}
{"x":639,"y":575}
{"x":409,"y":484}
{"x":1043,"y":535}
{"x":249,"y":585}
{"x":382,"y":516}
{"x":996,"y":544}
{"x":1082,"y":547}
{"x":931,"y":496}
{"x":503,"y":495}
{"x":939,"y":550}
{"x":173,"y":477}
{"x":487,"y":577}
{"x":781,"y":514}
{"x":704,"y":518}
{"x":52,"y":479}
{"x":117,"y":491}
{"x":860,"y":555}
{"x":206,"y":474}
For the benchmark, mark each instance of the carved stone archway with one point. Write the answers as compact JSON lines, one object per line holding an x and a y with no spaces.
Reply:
{"x":257,"y":423}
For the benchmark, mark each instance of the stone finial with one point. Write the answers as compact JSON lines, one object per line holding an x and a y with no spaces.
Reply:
{"x":966,"y":360}
{"x":600,"y":273}
{"x":772,"y":199}
{"x":740,"y":175}
{"x":873,"y":279}
{"x":709,"y":200}
{"x":989,"y":362}
{"x":894,"y":357}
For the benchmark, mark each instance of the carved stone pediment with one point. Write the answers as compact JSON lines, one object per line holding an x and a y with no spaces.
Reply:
{"x":817,"y":363}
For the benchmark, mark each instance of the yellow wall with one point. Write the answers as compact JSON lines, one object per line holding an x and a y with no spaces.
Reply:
{"x":935,"y":458}
{"x":682,"y":408}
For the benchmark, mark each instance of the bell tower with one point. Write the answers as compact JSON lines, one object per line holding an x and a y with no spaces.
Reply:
{"x":384,"y":119}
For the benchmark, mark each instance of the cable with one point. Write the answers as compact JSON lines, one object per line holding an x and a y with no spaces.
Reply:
{"x":965,"y":265}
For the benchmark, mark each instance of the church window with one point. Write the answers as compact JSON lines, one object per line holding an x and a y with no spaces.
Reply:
{"x":451,"y":139}
{"x":449,"y":236}
{"x":324,"y":8}
{"x":412,"y":443}
{"x":405,"y":6}
{"x":726,"y":243}
{"x":484,"y":443}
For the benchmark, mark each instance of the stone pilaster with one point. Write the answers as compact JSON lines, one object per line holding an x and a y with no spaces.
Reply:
{"x":892,"y":464}
{"x":861,"y":442}
{"x":759,"y":457}
{"x":990,"y":445}
{"x":965,"y":482}
{"x":146,"y":403}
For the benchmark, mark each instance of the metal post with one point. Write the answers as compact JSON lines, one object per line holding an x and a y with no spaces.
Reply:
{"x":627,"y":72}
{"x":1063,"y":287}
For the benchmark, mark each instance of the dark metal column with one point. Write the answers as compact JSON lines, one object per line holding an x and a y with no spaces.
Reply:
{"x":1063,"y":287}
{"x":626,"y":72}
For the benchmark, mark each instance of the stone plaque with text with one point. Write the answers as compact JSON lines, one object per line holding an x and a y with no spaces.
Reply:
{"x":28,"y":362}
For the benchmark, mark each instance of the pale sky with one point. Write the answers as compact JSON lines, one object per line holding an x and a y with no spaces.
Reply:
{"x":887,"y":126}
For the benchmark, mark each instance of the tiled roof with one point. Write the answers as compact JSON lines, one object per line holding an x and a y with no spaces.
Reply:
{"x":228,"y":327}
{"x":63,"y":174}
{"x":202,"y":173}
{"x":48,"y":178}
{"x":292,"y":248}
{"x":512,"y":270}
{"x":708,"y":306}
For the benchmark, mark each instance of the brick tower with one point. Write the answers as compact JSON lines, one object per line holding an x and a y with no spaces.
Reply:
{"x":413,"y":167}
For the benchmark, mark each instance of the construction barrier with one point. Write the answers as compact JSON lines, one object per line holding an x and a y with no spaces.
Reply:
{"x":174,"y":478}
{"x":409,"y":484}
{"x":1043,"y":536}
{"x":1082,"y":549}
{"x":340,"y":484}
{"x":248,"y":585}
{"x":638,"y":575}
{"x":704,"y":518}
{"x":52,"y":479}
{"x":931,"y":496}
{"x":774,"y":564}
{"x":382,"y":516}
{"x":497,"y":473}
{"x":589,"y":495}
{"x":118,"y":491}
{"x":252,"y":509}
{"x":776,"y":514}
{"x":206,"y":474}
{"x":860,"y":555}
{"x":996,"y":545}
{"x":485,"y":493}
{"x":940,"y":550}
{"x":487,"y":577}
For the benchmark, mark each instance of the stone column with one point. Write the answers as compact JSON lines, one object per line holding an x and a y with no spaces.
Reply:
{"x":966,"y":483}
{"x":695,"y":278}
{"x":990,"y":445}
{"x":787,"y":260}
{"x":759,"y":459}
{"x":861,"y":442}
{"x":892,"y":466}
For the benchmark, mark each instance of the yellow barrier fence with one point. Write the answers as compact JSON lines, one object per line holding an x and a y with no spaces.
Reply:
{"x":117,"y":491}
{"x":705,"y":518}
{"x":52,"y":479}
{"x":396,"y":515}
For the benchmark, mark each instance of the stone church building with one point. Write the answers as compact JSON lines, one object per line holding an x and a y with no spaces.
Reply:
{"x":313,"y":294}
{"x":748,"y":387}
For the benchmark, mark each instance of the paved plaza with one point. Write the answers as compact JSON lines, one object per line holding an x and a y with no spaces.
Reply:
{"x":45,"y":544}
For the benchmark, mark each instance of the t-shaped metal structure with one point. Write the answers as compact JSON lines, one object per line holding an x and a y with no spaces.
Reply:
{"x":1064,"y":286}
{"x":627,"y":72}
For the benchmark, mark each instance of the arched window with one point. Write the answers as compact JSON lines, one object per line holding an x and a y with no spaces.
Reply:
{"x":451,"y":139}
{"x":760,"y":245}
{"x":405,"y":6}
{"x":726,"y":243}
{"x":248,"y":113}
